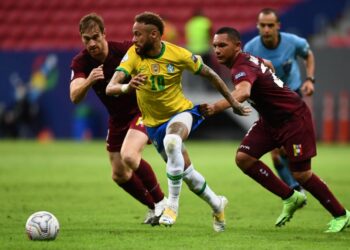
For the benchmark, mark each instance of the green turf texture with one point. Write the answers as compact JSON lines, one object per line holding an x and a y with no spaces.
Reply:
{"x":72,"y":180}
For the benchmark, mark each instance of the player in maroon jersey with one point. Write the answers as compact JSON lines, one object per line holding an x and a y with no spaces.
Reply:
{"x":285,"y":120}
{"x":92,"y":68}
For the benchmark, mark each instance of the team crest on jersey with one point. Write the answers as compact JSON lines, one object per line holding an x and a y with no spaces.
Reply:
{"x":170,"y":68}
{"x":240,"y":74}
{"x":155,"y":68}
{"x":297,"y":149}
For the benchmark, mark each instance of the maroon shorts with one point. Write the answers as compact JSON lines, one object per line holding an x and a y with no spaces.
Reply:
{"x":116,"y":133}
{"x":297,"y":136}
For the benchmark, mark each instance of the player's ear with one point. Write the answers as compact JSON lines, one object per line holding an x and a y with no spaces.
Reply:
{"x":278,"y":25}
{"x":156,"y":33}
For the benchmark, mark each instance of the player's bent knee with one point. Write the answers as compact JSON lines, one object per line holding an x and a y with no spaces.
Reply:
{"x":121,"y":176}
{"x":130,"y":160}
{"x":172,"y":143}
{"x":303,"y":176}
{"x":301,"y":171}
{"x":244,"y":161}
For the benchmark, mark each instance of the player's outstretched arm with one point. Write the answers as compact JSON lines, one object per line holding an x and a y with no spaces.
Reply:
{"x":220,"y":85}
{"x":241,"y":93}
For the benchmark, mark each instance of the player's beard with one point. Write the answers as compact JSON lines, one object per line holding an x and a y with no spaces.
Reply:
{"x":95,"y":50}
{"x":142,"y":51}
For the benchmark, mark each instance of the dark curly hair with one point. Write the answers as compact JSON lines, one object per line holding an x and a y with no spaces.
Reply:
{"x":151,"y":18}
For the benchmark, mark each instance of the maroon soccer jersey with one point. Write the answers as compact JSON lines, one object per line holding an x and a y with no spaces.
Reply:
{"x":285,"y":120}
{"x":274,"y":101}
{"x":121,"y":109}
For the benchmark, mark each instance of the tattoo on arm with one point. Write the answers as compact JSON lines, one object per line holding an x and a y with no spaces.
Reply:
{"x":216,"y":80}
{"x":207,"y":72}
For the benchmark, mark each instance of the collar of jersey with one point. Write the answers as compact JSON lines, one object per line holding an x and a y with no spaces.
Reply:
{"x":278,"y":43}
{"x":160,"y":54}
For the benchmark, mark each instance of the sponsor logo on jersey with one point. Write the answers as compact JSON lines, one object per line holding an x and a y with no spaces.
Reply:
{"x":155,"y":68}
{"x":297,"y":149}
{"x":240,"y":74}
{"x":141,"y":69}
{"x":244,"y":147}
{"x":170,"y":68}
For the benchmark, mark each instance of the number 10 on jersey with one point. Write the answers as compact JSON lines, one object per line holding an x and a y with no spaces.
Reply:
{"x":157,"y":82}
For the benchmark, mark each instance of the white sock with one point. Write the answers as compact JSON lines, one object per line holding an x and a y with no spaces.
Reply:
{"x":197,"y":184}
{"x":174,"y":168}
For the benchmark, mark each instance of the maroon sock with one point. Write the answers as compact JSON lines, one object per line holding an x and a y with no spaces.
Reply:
{"x":137,"y":190}
{"x":266,"y":178}
{"x":322,"y":193}
{"x":149,"y":180}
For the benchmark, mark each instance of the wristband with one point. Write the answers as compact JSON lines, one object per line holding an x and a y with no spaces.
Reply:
{"x":125,"y":88}
{"x":310,"y":78}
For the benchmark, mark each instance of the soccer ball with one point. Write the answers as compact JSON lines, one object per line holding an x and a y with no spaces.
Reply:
{"x":42,"y":226}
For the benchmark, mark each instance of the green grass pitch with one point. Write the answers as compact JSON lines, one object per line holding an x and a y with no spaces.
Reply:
{"x":72,"y":180}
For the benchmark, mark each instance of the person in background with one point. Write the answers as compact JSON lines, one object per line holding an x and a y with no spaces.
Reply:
{"x":156,"y":68}
{"x":198,"y":31}
{"x":285,"y":120}
{"x":92,"y":69}
{"x":283,"y":50}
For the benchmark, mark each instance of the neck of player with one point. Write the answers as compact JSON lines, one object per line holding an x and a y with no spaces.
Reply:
{"x":157,"y":49}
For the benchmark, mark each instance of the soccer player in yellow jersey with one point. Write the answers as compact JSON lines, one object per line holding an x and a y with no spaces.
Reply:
{"x":156,"y":67}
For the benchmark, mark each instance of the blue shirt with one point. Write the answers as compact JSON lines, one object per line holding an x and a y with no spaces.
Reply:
{"x":283,"y":57}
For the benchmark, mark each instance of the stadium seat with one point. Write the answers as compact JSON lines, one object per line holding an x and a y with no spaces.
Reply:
{"x":58,"y":19}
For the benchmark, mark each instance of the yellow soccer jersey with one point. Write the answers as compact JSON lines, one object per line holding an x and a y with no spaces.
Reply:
{"x":161,"y":97}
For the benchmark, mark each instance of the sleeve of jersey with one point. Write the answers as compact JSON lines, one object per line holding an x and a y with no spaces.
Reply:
{"x":192,"y":62}
{"x":77,"y":69}
{"x":127,"y":64}
{"x":241,"y":74}
{"x":302,"y":47}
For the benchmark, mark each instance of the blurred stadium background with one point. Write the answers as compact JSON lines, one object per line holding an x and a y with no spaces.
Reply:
{"x":39,"y":38}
